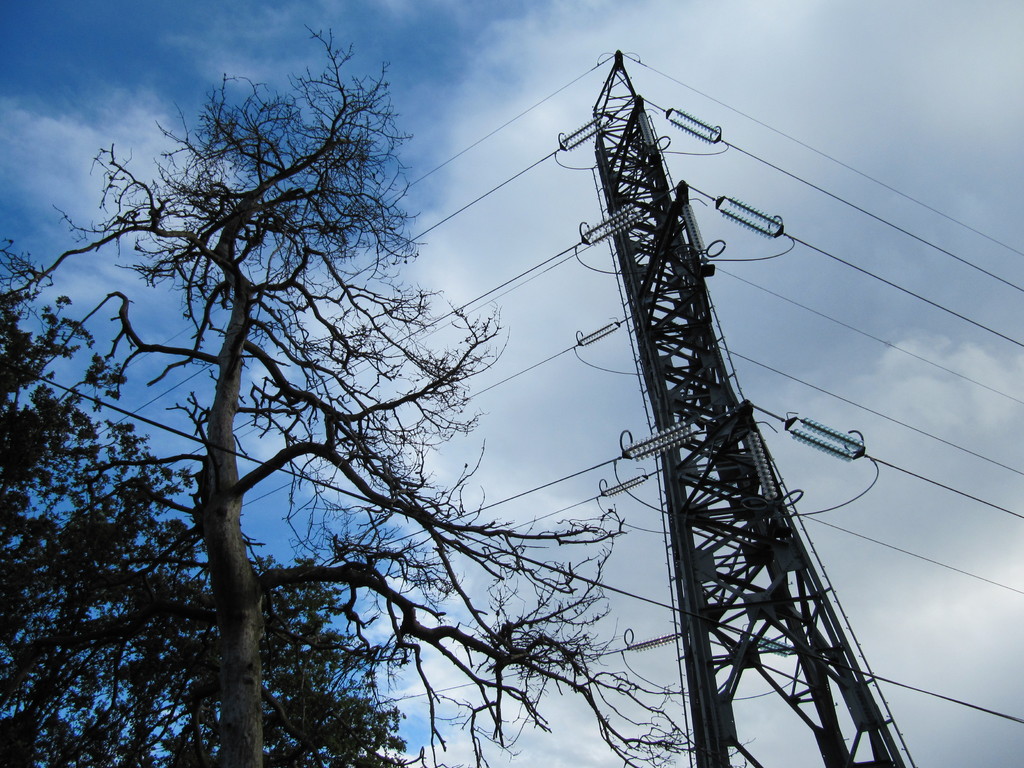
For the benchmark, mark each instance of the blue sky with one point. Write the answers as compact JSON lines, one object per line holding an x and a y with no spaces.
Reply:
{"x":63,"y":50}
{"x":928,"y":102}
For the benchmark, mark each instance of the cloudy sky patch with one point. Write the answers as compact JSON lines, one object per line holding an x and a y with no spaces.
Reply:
{"x":926,"y":101}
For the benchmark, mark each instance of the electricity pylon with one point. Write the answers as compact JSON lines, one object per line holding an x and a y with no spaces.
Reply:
{"x":750,"y":600}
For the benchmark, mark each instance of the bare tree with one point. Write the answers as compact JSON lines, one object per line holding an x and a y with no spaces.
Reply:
{"x":275,"y":219}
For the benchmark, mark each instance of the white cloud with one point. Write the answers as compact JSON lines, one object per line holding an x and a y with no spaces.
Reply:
{"x":923,"y":100}
{"x":812,"y":73}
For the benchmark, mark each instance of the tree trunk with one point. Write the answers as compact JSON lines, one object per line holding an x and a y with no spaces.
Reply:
{"x":236,"y":590}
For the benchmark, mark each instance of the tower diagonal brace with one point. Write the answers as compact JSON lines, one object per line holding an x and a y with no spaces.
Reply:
{"x":751,"y":602}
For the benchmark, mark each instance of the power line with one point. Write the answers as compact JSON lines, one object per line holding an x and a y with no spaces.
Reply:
{"x":525,"y":370}
{"x":836,"y":161}
{"x":864,"y":333}
{"x":890,"y":283}
{"x":575,"y":347}
{"x":916,"y":689}
{"x":813,"y":516}
{"x":877,"y":218}
{"x":505,"y":125}
{"x":549,"y":484}
{"x":949,"y":488}
{"x":915,"y":429}
{"x":570,"y":251}
{"x":491,"y":191}
{"x":909,"y":292}
{"x":915,"y":555}
{"x":867,"y":213}
{"x":874,"y":412}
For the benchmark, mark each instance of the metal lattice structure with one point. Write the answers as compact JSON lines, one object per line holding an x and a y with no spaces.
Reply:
{"x":750,"y":600}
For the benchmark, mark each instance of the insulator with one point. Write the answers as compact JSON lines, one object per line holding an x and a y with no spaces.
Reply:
{"x":618,"y":222}
{"x":853,"y":442}
{"x":646,"y":131}
{"x":751,"y":218}
{"x":579,"y":136}
{"x":826,"y":446}
{"x":659,"y":441}
{"x":764,"y":473}
{"x":600,"y":333}
{"x":615,"y":490}
{"x":850,"y":444}
{"x":690,"y":221}
{"x":646,"y":645}
{"x":712,"y":134}
{"x":774,"y":646}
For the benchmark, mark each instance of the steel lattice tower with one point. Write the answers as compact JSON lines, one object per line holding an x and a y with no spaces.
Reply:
{"x":750,"y":600}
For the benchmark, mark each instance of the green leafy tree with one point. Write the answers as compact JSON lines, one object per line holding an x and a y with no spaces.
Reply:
{"x":108,"y":646}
